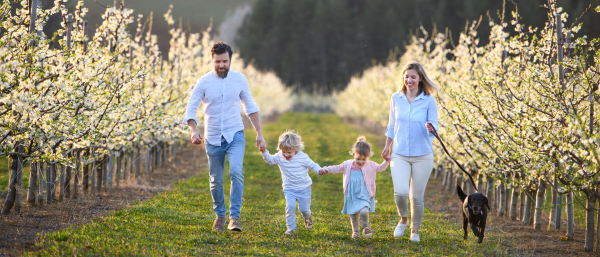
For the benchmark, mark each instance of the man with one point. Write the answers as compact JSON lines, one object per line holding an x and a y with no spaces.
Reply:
{"x":221,"y":91}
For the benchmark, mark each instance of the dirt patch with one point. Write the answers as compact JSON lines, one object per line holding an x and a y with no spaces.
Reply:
{"x":522,"y":240}
{"x":19,"y":232}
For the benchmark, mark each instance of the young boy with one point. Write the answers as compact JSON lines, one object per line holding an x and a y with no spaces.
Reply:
{"x":294,"y":165}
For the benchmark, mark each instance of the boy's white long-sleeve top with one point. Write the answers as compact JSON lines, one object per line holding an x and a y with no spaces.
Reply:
{"x":294,"y":172}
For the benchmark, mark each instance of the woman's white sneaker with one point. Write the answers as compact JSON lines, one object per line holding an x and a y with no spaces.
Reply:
{"x":414,"y":238}
{"x":399,"y":231}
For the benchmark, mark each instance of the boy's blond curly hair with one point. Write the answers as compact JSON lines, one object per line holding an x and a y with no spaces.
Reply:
{"x":290,"y":140}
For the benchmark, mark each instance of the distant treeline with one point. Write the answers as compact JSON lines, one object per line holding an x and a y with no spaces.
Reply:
{"x":317,"y":45}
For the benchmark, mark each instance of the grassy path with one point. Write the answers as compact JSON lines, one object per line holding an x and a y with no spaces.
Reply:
{"x":179,"y":222}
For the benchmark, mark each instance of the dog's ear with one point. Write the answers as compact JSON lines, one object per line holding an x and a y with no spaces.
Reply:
{"x":485,"y":201}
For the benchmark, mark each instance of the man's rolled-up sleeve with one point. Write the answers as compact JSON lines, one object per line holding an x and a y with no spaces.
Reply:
{"x":248,"y":103}
{"x":193,"y":103}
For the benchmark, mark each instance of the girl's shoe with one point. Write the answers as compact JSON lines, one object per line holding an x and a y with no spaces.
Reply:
{"x":289,"y":232}
{"x":414,"y":238}
{"x":355,"y":235}
{"x":399,"y":231}
{"x":367,"y":232}
{"x":308,"y":223}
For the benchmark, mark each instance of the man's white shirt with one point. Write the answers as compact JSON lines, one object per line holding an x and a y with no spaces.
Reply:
{"x":221,"y":99}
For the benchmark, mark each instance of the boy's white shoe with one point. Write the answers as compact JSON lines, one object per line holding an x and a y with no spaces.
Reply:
{"x":290,"y":232}
{"x":414,"y":238}
{"x":399,"y":231}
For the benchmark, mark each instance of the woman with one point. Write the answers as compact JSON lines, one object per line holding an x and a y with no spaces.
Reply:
{"x":413,"y":117}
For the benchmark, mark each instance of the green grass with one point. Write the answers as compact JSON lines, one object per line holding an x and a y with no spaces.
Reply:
{"x":179,"y":222}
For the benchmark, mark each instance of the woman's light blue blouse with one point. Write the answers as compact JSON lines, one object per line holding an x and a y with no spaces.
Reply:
{"x":407,"y":124}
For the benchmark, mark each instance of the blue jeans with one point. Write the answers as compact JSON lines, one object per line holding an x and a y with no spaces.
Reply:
{"x":216,"y":165}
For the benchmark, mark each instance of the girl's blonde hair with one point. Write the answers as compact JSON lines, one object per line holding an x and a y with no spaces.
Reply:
{"x":290,"y":140}
{"x":425,"y":85}
{"x":362,"y":147}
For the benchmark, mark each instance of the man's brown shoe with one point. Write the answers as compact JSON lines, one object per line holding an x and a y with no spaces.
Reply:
{"x":308,"y":223}
{"x":219,"y":224}
{"x":234,"y":225}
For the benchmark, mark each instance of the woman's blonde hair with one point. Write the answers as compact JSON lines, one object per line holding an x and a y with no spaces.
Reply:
{"x":290,"y":140}
{"x":362,"y":147}
{"x":425,"y":85}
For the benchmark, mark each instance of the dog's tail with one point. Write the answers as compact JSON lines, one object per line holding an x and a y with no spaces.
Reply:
{"x":461,"y":194}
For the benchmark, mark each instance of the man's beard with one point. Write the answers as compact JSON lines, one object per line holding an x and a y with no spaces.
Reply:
{"x":222,"y":74}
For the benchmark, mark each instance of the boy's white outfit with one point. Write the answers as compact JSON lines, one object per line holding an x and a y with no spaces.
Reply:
{"x":296,"y":183}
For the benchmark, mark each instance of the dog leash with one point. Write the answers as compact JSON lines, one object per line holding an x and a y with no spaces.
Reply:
{"x":446,"y":150}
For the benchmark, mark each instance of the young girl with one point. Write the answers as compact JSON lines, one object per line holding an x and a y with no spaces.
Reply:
{"x":294,"y":165}
{"x":359,"y":185}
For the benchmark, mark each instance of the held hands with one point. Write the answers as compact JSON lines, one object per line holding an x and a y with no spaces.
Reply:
{"x":261,"y":144}
{"x":386,"y":153}
{"x":322,"y":172}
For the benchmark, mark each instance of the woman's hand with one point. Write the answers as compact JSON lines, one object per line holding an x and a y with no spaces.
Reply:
{"x":386,"y":153}
{"x":430,"y":128}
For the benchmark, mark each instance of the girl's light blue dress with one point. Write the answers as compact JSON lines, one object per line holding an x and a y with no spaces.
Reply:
{"x":357,"y":196}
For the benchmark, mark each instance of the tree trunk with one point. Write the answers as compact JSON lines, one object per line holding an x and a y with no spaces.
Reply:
{"x":61,"y":177}
{"x":532,"y":209}
{"x":458,"y":181}
{"x":449,"y":180}
{"x":126,"y":157}
{"x":443,"y":173}
{"x":589,"y":220}
{"x":522,"y":204}
{"x":148,"y":154}
{"x":19,"y":186}
{"x":76,"y":173}
{"x":12,"y":186}
{"x":40,"y":195}
{"x":118,"y":169}
{"x":505,"y":199}
{"x":551,"y":217}
{"x":559,"y":205}
{"x":68,"y":182}
{"x":54,"y":171}
{"x":85,"y":178}
{"x":32,"y":184}
{"x":93,"y":176}
{"x":138,"y":162}
{"x":570,"y":218}
{"x":598,"y":230}
{"x":160,"y":151}
{"x":49,"y":183}
{"x":480,"y":183}
{"x":110,"y":170}
{"x":526,"y":211}
{"x":489,"y":184}
{"x":539,"y":204}
{"x":100,"y":176}
{"x":513,"y":202}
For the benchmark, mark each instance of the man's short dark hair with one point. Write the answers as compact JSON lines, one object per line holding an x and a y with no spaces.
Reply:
{"x":220,"y":47}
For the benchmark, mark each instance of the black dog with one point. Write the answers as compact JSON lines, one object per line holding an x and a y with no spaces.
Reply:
{"x":474,"y":212}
